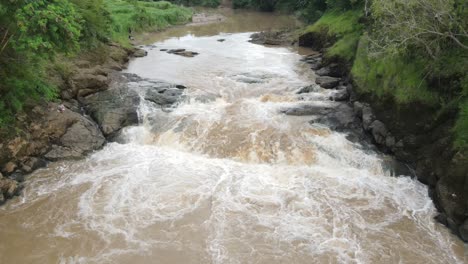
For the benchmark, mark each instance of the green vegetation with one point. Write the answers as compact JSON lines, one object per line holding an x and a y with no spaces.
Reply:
{"x":33,"y":33}
{"x":344,"y":28}
{"x":135,"y":16}
{"x":405,"y":50}
{"x":205,"y":3}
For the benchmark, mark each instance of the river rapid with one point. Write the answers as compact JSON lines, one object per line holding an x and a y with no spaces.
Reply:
{"x":225,"y":177}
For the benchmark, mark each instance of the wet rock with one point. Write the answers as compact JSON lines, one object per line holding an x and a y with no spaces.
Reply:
{"x":163,"y":50}
{"x":358,"y":106}
{"x":331,"y":70}
{"x":140,"y":53}
{"x":221,"y":40}
{"x":463,"y":230}
{"x":306,"y":110}
{"x":252,"y":78}
{"x":113,"y":109}
{"x":339,"y":118}
{"x":390,"y":142}
{"x":10,"y":167}
{"x":379,"y":132}
{"x":340,"y":95}
{"x":183,"y":52}
{"x":164,"y":98}
{"x":327,"y":82}
{"x":367,"y":117}
{"x":271,"y":38}
{"x":8,"y":188}
{"x":309,"y":89}
{"x":311,"y":56}
{"x":79,"y":139}
{"x":32,"y":163}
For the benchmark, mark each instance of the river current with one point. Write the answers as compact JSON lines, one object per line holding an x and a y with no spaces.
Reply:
{"x":225,"y":177}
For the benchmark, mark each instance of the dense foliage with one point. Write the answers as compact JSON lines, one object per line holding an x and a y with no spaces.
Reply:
{"x":405,"y":50}
{"x":33,"y":32}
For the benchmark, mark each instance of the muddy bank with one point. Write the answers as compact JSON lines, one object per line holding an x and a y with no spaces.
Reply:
{"x":410,"y":133}
{"x":96,"y":101}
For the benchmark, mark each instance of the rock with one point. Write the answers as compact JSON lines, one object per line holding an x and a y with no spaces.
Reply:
{"x":8,"y":188}
{"x":332,"y":70}
{"x":1,"y":176}
{"x":323,"y":71}
{"x":339,"y":118}
{"x":183,"y":52}
{"x":463,"y":230}
{"x":140,"y":53}
{"x":327,"y":82}
{"x":309,"y":89}
{"x":88,"y":82}
{"x":315,"y":65}
{"x":358,"y":106}
{"x":367,"y":117}
{"x":176,"y":51}
{"x":113,"y":109}
{"x":10,"y":167}
{"x":164,"y":98}
{"x":33,"y":163}
{"x":163,"y":50}
{"x":221,"y":40}
{"x":379,"y":132}
{"x":390,"y":141}
{"x":311,"y":56}
{"x":271,"y":38}
{"x":340,"y":95}
{"x":306,"y":110}
{"x":79,"y":139}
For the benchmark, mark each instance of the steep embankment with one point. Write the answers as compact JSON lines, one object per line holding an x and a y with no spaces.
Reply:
{"x":89,"y":99}
{"x":416,"y":115}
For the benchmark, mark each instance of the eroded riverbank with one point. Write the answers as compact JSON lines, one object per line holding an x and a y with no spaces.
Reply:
{"x":225,"y":177}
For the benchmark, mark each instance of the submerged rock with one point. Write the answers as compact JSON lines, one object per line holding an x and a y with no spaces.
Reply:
{"x":183,"y":52}
{"x":305,"y":110}
{"x":166,"y":97}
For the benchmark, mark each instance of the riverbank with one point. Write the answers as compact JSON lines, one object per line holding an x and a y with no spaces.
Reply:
{"x":90,"y":105}
{"x":418,"y":134}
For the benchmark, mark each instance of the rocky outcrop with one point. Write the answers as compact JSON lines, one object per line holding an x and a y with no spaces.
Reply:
{"x":273,"y":38}
{"x":114,"y":108}
{"x":415,"y":134}
{"x":63,"y":130}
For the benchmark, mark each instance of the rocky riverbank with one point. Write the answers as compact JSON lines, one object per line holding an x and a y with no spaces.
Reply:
{"x":409,"y":132}
{"x":96,"y":102}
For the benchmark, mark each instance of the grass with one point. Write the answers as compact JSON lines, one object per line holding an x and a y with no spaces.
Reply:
{"x":391,"y":76}
{"x":137,"y":16}
{"x":345,"y":29}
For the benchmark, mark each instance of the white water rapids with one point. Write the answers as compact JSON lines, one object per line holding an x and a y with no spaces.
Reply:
{"x":225,"y":178}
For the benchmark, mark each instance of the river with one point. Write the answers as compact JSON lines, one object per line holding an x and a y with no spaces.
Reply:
{"x":225,"y":177}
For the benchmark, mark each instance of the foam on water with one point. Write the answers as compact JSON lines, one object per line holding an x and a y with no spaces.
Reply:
{"x":226,"y":180}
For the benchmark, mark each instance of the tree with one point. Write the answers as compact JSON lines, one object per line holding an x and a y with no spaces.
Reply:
{"x":428,"y":24}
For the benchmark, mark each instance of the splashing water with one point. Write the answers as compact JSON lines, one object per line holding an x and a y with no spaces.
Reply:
{"x":225,"y":178}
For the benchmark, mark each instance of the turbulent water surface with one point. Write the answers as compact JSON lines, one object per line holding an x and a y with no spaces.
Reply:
{"x":225,"y":177}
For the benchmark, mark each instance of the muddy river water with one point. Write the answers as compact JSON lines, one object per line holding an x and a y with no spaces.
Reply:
{"x":225,"y":177}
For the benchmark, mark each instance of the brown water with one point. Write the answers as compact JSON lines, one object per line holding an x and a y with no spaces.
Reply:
{"x":224,"y":177}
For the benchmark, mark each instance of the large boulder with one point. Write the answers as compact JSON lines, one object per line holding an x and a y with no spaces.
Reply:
{"x":113,"y":109}
{"x":80,"y":138}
